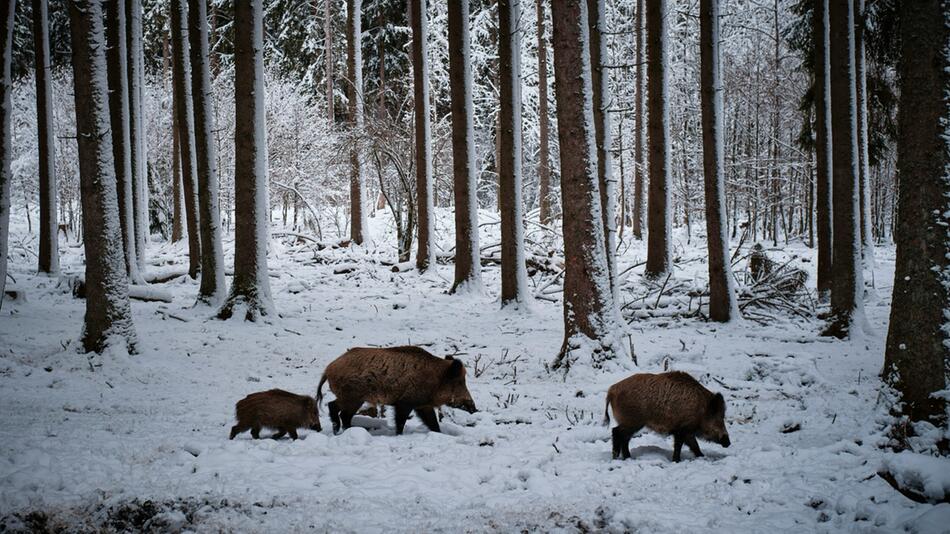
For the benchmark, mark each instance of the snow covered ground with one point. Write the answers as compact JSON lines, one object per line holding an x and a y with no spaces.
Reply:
{"x":126,"y":442}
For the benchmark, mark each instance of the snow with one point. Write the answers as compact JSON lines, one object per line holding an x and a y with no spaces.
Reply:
{"x":81,"y":437}
{"x":928,"y":475}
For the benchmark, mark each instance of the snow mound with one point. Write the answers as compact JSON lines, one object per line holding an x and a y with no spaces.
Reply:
{"x":926,"y":475}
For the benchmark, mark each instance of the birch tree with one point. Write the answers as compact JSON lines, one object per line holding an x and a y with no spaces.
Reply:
{"x":108,"y":318}
{"x":823,"y":148}
{"x":589,"y":315}
{"x":212,"y":255}
{"x":917,"y":357}
{"x":514,"y":275}
{"x":467,"y":259}
{"x":138,"y":154}
{"x":659,"y":225}
{"x":847,"y":288}
{"x":7,"y":12}
{"x":723,"y":306}
{"x":49,"y":230}
{"x":544,"y":123}
{"x":425,"y":254}
{"x":184,"y":117}
{"x":354,"y":67}
{"x":118,"y":78}
{"x":250,"y":288}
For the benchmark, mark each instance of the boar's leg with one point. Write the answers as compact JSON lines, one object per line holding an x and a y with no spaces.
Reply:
{"x":237,"y":429}
{"x":256,"y":432}
{"x":280,"y":433}
{"x":427,"y":414}
{"x":621,"y":441}
{"x":694,"y":446}
{"x":333,"y":407}
{"x":677,"y":446}
{"x":402,"y":414}
{"x":293,"y":433}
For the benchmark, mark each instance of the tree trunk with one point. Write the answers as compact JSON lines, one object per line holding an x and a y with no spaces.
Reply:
{"x":250,"y":287}
{"x":823,"y":148}
{"x":328,"y":57}
{"x":108,"y":318}
{"x":212,"y":286}
{"x":658,"y":216}
{"x":864,"y":171}
{"x":589,"y":313}
{"x":354,"y":66}
{"x":723,"y":306}
{"x":178,"y":225}
{"x":640,"y":140}
{"x":49,"y":230}
{"x":917,"y":359}
{"x":514,"y":276}
{"x":181,"y":75}
{"x":137,"y":153}
{"x":7,"y":12}
{"x":847,"y":288}
{"x":600,"y":87}
{"x":544,"y":124}
{"x":420,"y":77}
{"x":117,"y":64}
{"x":467,"y":260}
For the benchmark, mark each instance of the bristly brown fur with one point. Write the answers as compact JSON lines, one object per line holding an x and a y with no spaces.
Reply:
{"x":277,"y":409}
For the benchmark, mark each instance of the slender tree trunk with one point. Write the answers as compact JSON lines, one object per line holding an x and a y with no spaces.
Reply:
{"x":328,"y":56}
{"x":823,"y":148}
{"x":108,"y":318}
{"x":640,"y":140}
{"x":864,"y":171}
{"x":354,"y":65}
{"x":588,"y":301}
{"x":544,"y":124}
{"x":7,"y":11}
{"x":420,"y":74}
{"x":514,"y":276}
{"x":917,"y":361}
{"x":600,"y":84}
{"x":212,"y":288}
{"x":117,"y":64}
{"x":137,"y":153}
{"x":181,"y":75}
{"x":467,"y":262}
{"x":658,"y":216}
{"x":847,"y":303}
{"x":250,"y":287}
{"x":178,"y":225}
{"x":723,"y":306}
{"x":49,"y":230}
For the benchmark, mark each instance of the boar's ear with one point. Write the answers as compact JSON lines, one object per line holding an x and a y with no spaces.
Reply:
{"x":455,"y":370}
{"x":717,"y":404}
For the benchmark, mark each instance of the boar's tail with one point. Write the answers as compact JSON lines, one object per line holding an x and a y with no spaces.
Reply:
{"x":607,"y":410}
{"x":320,"y":389}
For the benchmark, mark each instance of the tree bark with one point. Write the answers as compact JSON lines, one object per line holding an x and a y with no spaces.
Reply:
{"x":588,"y":300}
{"x":467,"y":266}
{"x":250,"y":287}
{"x":864,"y":170}
{"x":640,"y":140}
{"x":658,"y":124}
{"x":7,"y":12}
{"x":138,"y":153}
{"x":354,"y":66}
{"x":108,"y":318}
{"x":544,"y":124}
{"x":178,"y":225}
{"x":181,"y":75}
{"x":420,"y":76}
{"x":847,"y":288}
{"x":514,"y":275}
{"x":117,"y":65}
{"x":212,"y":288}
{"x":49,"y":230}
{"x":328,"y":57}
{"x":823,"y":148}
{"x":723,"y":306}
{"x":917,"y":357}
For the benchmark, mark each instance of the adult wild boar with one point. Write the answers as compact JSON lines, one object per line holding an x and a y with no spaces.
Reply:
{"x":408,"y":378}
{"x":668,"y":403}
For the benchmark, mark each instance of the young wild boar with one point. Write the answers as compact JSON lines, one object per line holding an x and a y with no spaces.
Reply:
{"x":408,"y":378}
{"x":668,"y":403}
{"x":281,"y":410}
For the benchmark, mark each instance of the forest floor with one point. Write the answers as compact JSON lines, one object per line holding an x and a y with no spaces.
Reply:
{"x":118,"y":441}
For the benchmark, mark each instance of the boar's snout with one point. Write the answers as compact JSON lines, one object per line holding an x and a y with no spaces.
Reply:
{"x":466,"y":404}
{"x":724,"y":440}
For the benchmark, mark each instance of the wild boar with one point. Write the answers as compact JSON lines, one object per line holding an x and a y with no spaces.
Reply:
{"x":281,"y":410}
{"x":668,"y":403}
{"x":408,"y":378}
